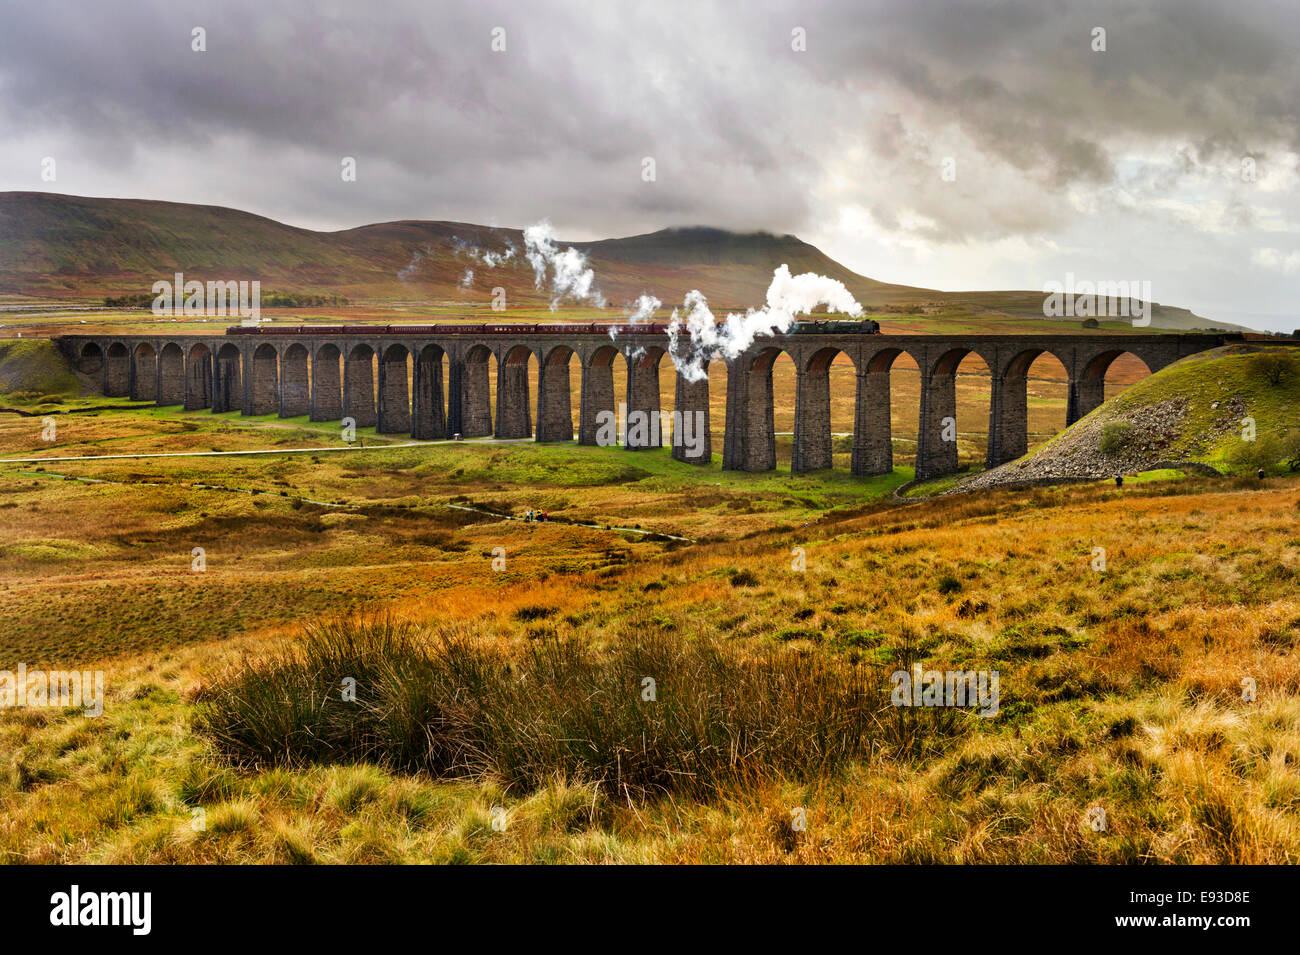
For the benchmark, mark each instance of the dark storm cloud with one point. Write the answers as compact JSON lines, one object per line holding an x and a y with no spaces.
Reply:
{"x":744,"y":131}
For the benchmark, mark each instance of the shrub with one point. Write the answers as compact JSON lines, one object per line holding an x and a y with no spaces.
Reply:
{"x":527,"y":614}
{"x":949,"y":585}
{"x":744,"y":578}
{"x":1247,"y":457}
{"x":1116,"y":436}
{"x":1291,"y":450}
{"x":1273,"y":367}
{"x":449,"y":704}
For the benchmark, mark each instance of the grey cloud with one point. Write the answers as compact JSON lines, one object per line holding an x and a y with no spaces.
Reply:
{"x":745,"y":132}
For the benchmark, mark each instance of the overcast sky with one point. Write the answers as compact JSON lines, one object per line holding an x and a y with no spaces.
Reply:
{"x":1122,"y":164}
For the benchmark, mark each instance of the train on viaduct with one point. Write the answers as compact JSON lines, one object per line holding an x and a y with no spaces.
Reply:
{"x":391,"y":378}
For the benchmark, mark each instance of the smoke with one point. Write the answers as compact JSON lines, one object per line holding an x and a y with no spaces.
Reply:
{"x":493,"y":259}
{"x":459,"y":247}
{"x":646,"y":306}
{"x":414,"y":265}
{"x":787,"y":296}
{"x":571,"y":277}
{"x":488,"y":257}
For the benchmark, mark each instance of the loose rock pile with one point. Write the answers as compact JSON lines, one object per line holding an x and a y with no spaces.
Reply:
{"x":1077,"y":455}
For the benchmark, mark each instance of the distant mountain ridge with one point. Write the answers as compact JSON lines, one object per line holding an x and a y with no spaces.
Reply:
{"x":64,"y":247}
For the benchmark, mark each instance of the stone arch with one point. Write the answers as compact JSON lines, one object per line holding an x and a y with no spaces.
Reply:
{"x":264,"y":383}
{"x":171,"y":375}
{"x":117,"y":371}
{"x":198,"y":377}
{"x":295,"y":381}
{"x":750,"y":443}
{"x":359,"y":386}
{"x":873,"y":426}
{"x":90,"y":361}
{"x":937,"y":450}
{"x":428,"y":405}
{"x":227,"y":381}
{"x":1009,"y":410}
{"x":883,"y":360}
{"x":144,"y":373}
{"x":554,"y":391}
{"x":813,"y":447}
{"x":326,"y":383}
{"x":394,"y":391}
{"x":1088,"y":391}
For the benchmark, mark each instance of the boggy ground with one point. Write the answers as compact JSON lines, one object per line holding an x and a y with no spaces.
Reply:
{"x":1120,"y":689}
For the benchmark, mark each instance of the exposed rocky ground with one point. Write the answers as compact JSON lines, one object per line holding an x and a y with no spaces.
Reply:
{"x":1157,"y":438}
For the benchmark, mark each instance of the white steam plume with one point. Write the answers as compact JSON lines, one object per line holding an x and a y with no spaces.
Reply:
{"x":570,"y":275}
{"x":787,"y":296}
{"x":646,"y":306}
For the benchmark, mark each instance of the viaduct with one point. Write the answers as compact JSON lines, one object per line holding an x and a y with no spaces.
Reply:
{"x":394,"y":381}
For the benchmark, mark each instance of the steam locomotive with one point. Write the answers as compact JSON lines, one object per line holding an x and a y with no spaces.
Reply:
{"x":865,"y":327}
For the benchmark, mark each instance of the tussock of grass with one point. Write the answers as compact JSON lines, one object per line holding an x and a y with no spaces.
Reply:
{"x":444,"y":703}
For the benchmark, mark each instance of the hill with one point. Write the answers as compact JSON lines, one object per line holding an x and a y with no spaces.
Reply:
{"x":34,"y":368}
{"x":1191,"y":413}
{"x":71,"y":247}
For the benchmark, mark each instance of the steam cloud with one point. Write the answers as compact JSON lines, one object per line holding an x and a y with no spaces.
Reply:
{"x":695,"y":337}
{"x":787,"y":296}
{"x":646,"y":306}
{"x":571,"y":277}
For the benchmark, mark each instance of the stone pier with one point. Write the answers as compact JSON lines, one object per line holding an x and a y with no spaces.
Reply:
{"x":554,"y":406}
{"x":359,"y":387}
{"x":691,"y":421}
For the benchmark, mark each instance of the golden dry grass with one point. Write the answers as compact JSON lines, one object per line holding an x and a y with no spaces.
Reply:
{"x":1120,"y":690}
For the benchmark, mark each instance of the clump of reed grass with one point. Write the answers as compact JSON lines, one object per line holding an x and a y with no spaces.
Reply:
{"x":647,"y":714}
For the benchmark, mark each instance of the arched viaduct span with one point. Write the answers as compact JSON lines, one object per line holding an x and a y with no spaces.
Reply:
{"x":366,"y":376}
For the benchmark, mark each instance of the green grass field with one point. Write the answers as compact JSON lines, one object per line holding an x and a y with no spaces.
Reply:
{"x":1120,"y":687}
